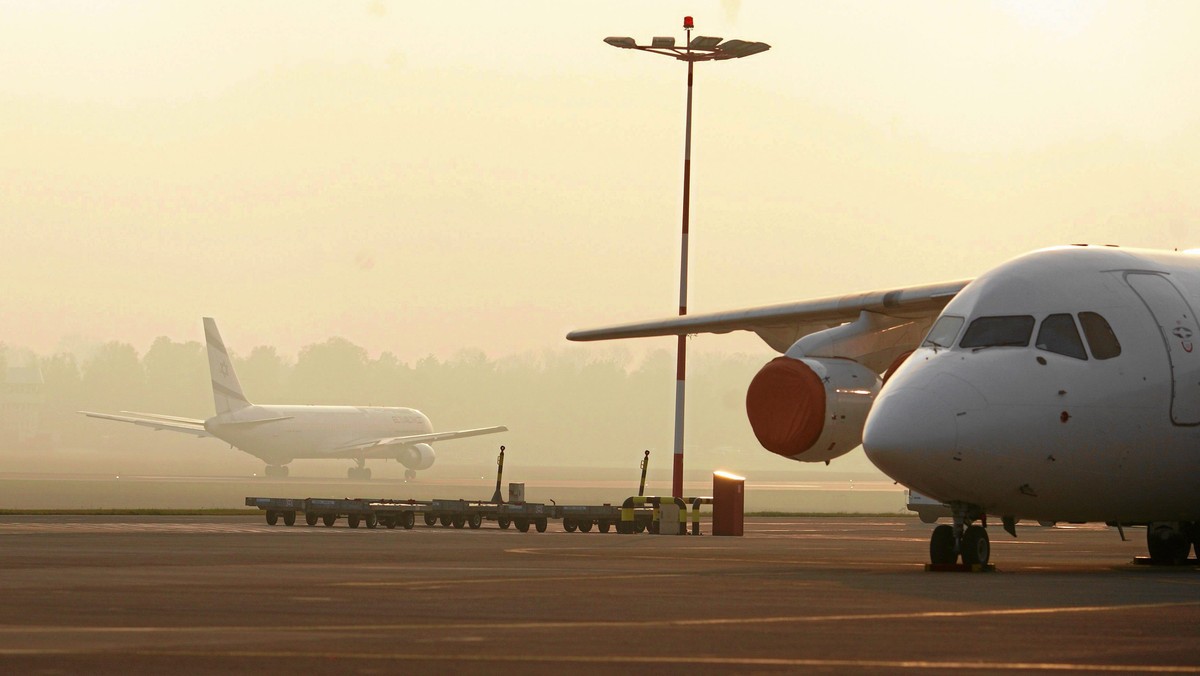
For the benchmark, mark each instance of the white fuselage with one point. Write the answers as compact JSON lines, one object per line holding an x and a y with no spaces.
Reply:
{"x":1035,"y":433}
{"x":289,"y":432}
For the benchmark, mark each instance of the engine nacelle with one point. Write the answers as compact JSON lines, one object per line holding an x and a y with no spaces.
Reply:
{"x":417,"y":456}
{"x":811,"y":409}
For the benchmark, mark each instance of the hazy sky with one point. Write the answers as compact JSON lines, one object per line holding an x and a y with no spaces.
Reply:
{"x":423,"y":177}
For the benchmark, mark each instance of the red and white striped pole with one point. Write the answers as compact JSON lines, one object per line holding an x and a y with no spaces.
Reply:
{"x":681,"y":357}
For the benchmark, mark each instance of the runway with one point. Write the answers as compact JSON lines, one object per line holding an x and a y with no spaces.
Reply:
{"x":847,"y":595}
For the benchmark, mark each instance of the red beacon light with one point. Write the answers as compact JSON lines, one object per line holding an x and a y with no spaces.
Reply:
{"x":687,"y":22}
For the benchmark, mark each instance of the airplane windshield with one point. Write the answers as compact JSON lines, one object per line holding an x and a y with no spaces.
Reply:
{"x":1058,"y":334}
{"x":944,"y":332}
{"x":1007,"y":331}
{"x":1100,"y":336}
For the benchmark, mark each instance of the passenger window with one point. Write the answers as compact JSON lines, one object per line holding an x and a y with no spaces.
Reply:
{"x":1100,"y":336}
{"x":944,"y":332}
{"x":1058,"y":334}
{"x":1010,"y":331}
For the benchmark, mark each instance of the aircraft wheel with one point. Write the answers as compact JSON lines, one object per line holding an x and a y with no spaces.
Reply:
{"x":430,"y":518}
{"x":329,"y":520}
{"x":289,"y":518}
{"x":459,"y":521}
{"x":522,"y":525}
{"x":569,"y":524}
{"x":372,"y":521}
{"x":541,"y":524}
{"x":353,"y":520}
{"x":410,"y":474}
{"x":408,"y":520}
{"x":585,"y":526}
{"x":605,"y":526}
{"x":311,"y":518}
{"x":272,"y":518}
{"x":1167,"y":544}
{"x":976,"y":548}
{"x":941,"y":546}
{"x":503,"y":522}
{"x":475,"y":520}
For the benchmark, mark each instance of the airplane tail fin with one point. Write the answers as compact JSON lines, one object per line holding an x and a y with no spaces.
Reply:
{"x":227,"y":391}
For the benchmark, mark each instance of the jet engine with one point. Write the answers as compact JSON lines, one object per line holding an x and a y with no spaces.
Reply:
{"x":417,"y":456}
{"x":811,"y":409}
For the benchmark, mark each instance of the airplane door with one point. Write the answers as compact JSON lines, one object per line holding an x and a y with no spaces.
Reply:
{"x":1181,"y":335}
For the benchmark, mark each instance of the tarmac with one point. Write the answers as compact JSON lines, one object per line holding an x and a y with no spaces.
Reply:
{"x":143,"y":595}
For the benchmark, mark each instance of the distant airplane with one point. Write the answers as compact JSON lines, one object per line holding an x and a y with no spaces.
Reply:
{"x":279,"y":434}
{"x":1063,"y":385}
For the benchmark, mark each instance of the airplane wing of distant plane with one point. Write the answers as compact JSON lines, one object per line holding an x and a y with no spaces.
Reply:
{"x":156,"y":422}
{"x":780,"y":326}
{"x":386,"y":444}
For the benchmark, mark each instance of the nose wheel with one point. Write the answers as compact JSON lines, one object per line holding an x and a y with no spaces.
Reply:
{"x":410,"y":474}
{"x":948,"y":543}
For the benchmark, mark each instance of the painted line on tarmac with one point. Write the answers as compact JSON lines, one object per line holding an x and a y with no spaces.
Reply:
{"x":594,"y":624}
{"x":636,"y":660}
{"x":502,"y":580}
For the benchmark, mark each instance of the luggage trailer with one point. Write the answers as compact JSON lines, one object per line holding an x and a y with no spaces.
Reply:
{"x":638,"y":514}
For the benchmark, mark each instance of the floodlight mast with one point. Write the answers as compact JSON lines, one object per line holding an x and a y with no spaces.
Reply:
{"x":698,"y":49}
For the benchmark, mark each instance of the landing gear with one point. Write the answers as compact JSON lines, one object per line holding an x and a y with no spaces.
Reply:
{"x":360,"y":473}
{"x":976,"y":549}
{"x":941,"y":546}
{"x":1168,"y":542}
{"x":947,"y":543}
{"x":276,"y":471}
{"x":410,"y":474}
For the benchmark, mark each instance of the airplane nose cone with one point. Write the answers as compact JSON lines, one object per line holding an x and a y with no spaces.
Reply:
{"x":912,"y":424}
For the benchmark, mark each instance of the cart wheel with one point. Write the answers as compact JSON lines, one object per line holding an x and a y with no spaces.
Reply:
{"x":353,"y":520}
{"x":329,"y":519}
{"x":640,"y":527}
{"x":653,"y":527}
{"x":459,"y":521}
{"x":541,"y":525}
{"x":522,"y":525}
{"x":311,"y":518}
{"x":475,"y":520}
{"x":445,"y":520}
{"x":272,"y":518}
{"x":430,"y":518}
{"x":388,"y":521}
{"x":605,"y":526}
{"x":585,"y":526}
{"x":289,"y":518}
{"x":568,"y":524}
{"x":503,"y":522}
{"x":408,"y":520}
{"x":372,"y":521}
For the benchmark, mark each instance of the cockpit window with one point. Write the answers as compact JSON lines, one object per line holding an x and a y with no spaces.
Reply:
{"x":944,"y":332}
{"x":1009,"y":331}
{"x":1059,"y":335}
{"x":1100,"y":336}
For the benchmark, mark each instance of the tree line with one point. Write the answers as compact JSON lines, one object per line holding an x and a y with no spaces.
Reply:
{"x":571,"y":406}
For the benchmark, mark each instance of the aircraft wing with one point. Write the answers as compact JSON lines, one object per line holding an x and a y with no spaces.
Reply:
{"x":782,"y":325}
{"x":156,"y":422}
{"x":386,"y":445}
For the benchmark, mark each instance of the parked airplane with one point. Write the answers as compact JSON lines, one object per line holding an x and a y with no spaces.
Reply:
{"x":1063,"y":385}
{"x":279,"y":434}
